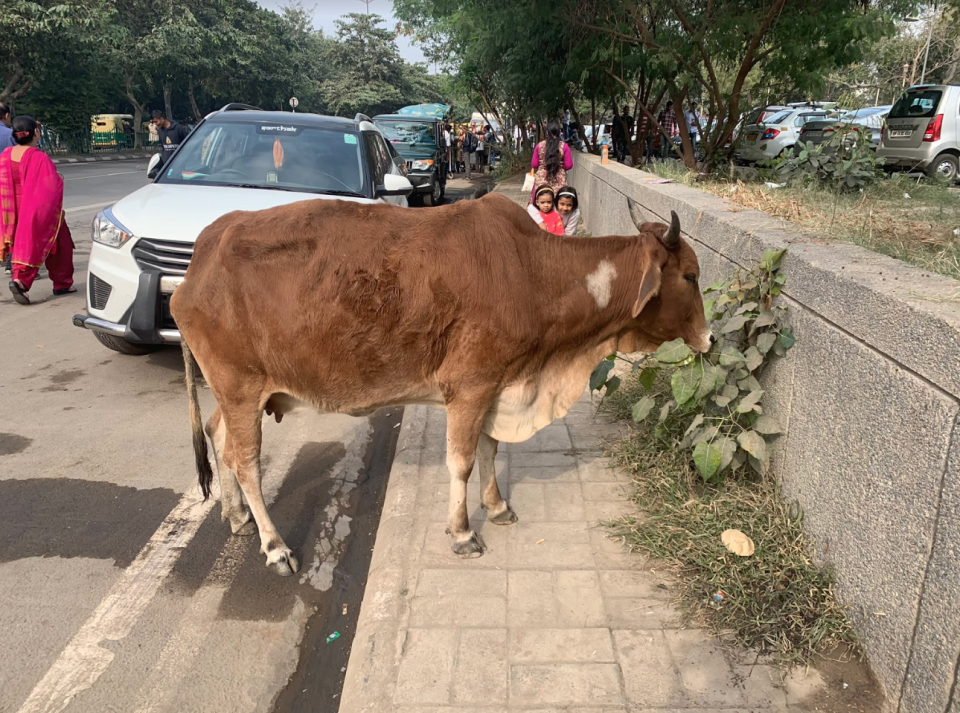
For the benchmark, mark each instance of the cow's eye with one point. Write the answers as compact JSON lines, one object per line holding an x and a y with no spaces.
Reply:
{"x":692,"y":279}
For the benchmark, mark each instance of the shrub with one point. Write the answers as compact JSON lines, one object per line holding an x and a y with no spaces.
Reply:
{"x":847,"y":162}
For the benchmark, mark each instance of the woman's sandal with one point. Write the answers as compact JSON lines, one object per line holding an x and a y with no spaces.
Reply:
{"x":19,"y":294}
{"x":65,"y":291}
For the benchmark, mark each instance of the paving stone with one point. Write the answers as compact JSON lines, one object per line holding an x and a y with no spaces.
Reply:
{"x":610,"y":553}
{"x":540,"y":460}
{"x":454,"y":582}
{"x":531,"y":599}
{"x":561,"y":645}
{"x":564,"y":545}
{"x":598,"y":469}
{"x":649,"y":676}
{"x":554,"y":437}
{"x":599,"y":511}
{"x":642,"y":585}
{"x":437,"y":552}
{"x":706,"y":674}
{"x":593,"y":436}
{"x":528,"y":501}
{"x":567,"y":683}
{"x":579,"y":601}
{"x":458,"y":611}
{"x":605,"y":491}
{"x":480,"y":676}
{"x":635,"y":613}
{"x":761,"y":685}
{"x":426,"y":669}
{"x":564,"y":501}
{"x":565,"y":473}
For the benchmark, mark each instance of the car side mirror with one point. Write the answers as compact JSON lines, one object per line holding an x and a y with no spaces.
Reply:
{"x":394,"y":185}
{"x":154,"y":166}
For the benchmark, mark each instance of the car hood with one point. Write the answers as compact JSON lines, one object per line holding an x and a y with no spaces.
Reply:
{"x":166,"y":211}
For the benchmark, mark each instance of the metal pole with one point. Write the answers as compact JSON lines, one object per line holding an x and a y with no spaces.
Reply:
{"x":926,"y":54}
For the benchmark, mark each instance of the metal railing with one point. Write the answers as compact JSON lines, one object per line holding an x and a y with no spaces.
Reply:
{"x":60,"y":143}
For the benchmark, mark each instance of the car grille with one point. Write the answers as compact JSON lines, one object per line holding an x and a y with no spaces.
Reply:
{"x":166,"y":256}
{"x":99,"y":292}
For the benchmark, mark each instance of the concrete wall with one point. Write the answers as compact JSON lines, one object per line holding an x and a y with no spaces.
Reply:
{"x":869,"y":400}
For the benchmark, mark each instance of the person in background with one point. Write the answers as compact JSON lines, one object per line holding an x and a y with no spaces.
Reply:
{"x":33,"y":225}
{"x":171,"y":135}
{"x":542,"y":210}
{"x":568,"y":206}
{"x":469,"y":149}
{"x":490,"y":141}
{"x":692,"y":117}
{"x":622,"y":131}
{"x":449,"y":138}
{"x":551,"y":159}
{"x":6,"y":133}
{"x":667,"y":119}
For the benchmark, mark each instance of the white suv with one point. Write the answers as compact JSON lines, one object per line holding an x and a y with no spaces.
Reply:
{"x":238,"y":158}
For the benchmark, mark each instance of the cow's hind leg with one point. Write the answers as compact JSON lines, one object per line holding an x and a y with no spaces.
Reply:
{"x":463,"y":433}
{"x":242,"y":455}
{"x":498,"y":511}
{"x":233,"y":509}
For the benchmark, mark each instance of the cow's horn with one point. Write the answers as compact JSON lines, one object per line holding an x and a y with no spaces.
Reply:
{"x":672,"y":237}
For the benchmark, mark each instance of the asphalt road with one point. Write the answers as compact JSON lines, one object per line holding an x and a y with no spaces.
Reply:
{"x":120,"y":590}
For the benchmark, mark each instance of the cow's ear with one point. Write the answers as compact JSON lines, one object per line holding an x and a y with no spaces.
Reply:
{"x":649,"y":286}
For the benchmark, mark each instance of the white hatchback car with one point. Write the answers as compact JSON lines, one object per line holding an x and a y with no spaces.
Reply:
{"x":775,"y":135}
{"x":238,"y":158}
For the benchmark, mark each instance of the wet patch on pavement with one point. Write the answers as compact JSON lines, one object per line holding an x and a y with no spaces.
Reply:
{"x":11,"y":443}
{"x":65,"y":517}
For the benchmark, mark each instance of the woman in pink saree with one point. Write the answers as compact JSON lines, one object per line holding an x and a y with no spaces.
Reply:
{"x":31,"y":214}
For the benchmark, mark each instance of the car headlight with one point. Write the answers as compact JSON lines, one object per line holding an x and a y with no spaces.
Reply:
{"x":107,"y":231}
{"x":423,"y":165}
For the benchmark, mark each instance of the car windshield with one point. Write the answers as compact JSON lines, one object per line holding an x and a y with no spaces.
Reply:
{"x":777,"y":118}
{"x":917,"y":103}
{"x":407,"y":132}
{"x":272,"y":156}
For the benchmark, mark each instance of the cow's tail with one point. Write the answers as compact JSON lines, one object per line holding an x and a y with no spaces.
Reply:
{"x":200,"y":452}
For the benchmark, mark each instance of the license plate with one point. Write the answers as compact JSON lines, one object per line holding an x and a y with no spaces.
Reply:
{"x":813,"y":134}
{"x":901,"y":134}
{"x":752,"y":137}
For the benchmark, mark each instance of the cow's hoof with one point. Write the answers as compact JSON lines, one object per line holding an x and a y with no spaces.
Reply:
{"x":472,"y":547}
{"x":282,"y":562}
{"x":507,"y":517}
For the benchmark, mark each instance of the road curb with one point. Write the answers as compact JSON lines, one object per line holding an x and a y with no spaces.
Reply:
{"x":94,"y":159}
{"x":370,"y":678}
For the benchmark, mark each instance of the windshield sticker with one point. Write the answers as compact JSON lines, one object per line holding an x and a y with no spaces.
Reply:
{"x":279,"y":129}
{"x":349,"y":139}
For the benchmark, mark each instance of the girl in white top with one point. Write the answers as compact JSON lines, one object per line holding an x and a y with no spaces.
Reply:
{"x":568,"y":206}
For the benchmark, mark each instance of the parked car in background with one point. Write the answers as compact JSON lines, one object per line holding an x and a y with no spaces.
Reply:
{"x":869,"y":120}
{"x":419,"y":141}
{"x":772,"y":136}
{"x":922,"y":132}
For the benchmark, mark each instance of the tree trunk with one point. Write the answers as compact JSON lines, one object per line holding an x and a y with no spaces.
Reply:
{"x":167,"y":104}
{"x":593,"y":123}
{"x":193,"y":102}
{"x":138,"y":110}
{"x":15,"y":86}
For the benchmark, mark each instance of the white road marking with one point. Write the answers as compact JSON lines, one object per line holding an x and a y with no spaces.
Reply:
{"x":599,"y":282}
{"x":100,"y":175}
{"x":83,"y":661}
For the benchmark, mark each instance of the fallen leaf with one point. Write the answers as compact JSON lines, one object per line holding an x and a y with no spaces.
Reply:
{"x":539,"y":542}
{"x":737,"y":542}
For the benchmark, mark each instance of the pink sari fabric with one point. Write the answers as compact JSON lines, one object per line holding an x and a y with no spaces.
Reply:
{"x":32,"y":223}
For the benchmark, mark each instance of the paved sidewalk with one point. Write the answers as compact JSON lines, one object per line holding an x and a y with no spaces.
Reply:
{"x":554,"y":616}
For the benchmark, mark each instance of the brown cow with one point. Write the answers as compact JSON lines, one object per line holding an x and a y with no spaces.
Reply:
{"x":348,"y":307}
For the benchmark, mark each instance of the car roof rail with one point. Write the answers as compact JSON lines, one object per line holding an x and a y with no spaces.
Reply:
{"x":362,"y":117}
{"x":237,"y":106}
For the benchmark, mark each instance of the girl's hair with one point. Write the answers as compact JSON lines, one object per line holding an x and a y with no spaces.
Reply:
{"x":540,"y":190}
{"x":23,"y":129}
{"x":551,"y":151}
{"x":569,"y":192}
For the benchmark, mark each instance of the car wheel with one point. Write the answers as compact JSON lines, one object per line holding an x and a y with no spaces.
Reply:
{"x":435,"y":196}
{"x":415,"y":199}
{"x":945,"y":165}
{"x":121,"y":345}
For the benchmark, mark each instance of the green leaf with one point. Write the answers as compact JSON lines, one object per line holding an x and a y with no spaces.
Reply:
{"x":717,"y":286}
{"x":612,"y":385}
{"x":712,"y":379}
{"x":749,"y":306}
{"x":728,"y":450}
{"x":648,"y":376}
{"x":707,"y":458}
{"x":672,"y":352}
{"x":642,"y":408}
{"x":707,"y":434}
{"x":749,"y":383}
{"x":749,"y":402}
{"x":771,"y":259}
{"x":730,"y":356}
{"x":753,"y":443}
{"x":765,"y":319}
{"x":787,"y":339}
{"x":765,"y":342}
{"x":599,"y":376}
{"x":684,"y":383}
{"x":694,"y":424}
{"x":767,"y":426}
{"x":708,"y":307}
{"x":754,"y":357}
{"x":665,"y":411}
{"x":779,"y":349}
{"x":733,"y":324}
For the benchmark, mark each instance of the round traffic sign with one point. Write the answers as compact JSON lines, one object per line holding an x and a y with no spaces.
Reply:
{"x":294,"y":102}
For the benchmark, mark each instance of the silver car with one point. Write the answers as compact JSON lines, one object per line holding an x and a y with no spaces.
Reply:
{"x":775,"y":135}
{"x":868,"y":119}
{"x":922,"y":132}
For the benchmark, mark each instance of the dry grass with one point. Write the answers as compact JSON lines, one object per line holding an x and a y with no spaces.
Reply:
{"x":777,"y":600}
{"x":918,"y":230}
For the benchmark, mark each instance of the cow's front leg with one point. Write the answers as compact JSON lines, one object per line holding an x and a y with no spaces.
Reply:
{"x":498,"y":511}
{"x":232,"y":507}
{"x":463,"y":431}
{"x":242,"y":455}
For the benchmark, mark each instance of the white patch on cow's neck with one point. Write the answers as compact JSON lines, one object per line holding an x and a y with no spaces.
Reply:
{"x":600,"y":281}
